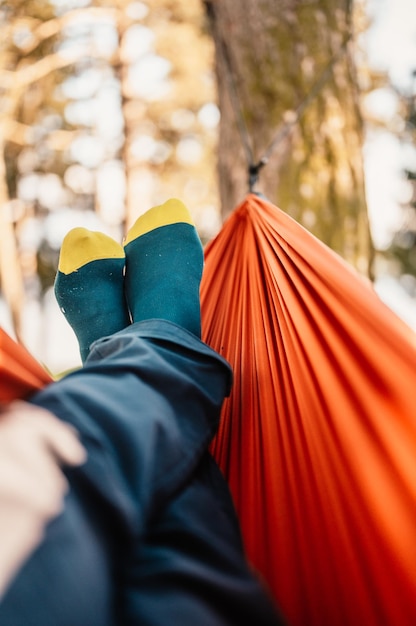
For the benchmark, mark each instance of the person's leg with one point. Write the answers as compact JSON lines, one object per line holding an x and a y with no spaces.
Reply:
{"x":69,"y":580}
{"x":146,"y":404}
{"x":164,"y":261}
{"x":89,"y":286}
{"x":190,"y":566}
{"x":149,"y":535}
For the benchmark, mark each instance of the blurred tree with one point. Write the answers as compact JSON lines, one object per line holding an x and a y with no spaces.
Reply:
{"x":11,"y":280}
{"x":269,"y":56}
{"x":27,"y":63}
{"x":17,"y":79}
{"x":104,"y":113}
{"x":170,"y":115}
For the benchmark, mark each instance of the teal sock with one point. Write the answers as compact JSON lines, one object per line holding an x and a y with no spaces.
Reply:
{"x":89,"y":286}
{"x":164,"y":261}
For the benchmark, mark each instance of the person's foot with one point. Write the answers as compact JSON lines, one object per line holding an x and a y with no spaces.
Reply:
{"x":164,"y":262}
{"x":89,"y":286}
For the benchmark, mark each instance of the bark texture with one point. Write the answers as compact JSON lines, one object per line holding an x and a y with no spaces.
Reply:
{"x":276,"y":51}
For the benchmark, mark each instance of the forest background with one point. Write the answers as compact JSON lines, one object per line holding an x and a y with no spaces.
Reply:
{"x":108,"y":108}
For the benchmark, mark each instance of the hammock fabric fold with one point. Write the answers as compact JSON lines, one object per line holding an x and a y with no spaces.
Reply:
{"x":318,"y":438}
{"x":20,"y":373}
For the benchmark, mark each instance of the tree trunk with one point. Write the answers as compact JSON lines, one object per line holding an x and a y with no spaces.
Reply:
{"x":271,"y":53}
{"x":11,"y":279}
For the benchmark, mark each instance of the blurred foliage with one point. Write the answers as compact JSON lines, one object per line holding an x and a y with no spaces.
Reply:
{"x":107,"y":109}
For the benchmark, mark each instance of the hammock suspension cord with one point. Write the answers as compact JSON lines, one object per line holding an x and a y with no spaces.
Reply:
{"x":283,"y":131}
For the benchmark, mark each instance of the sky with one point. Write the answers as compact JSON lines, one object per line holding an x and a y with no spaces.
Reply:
{"x":391,"y":41}
{"x":390,"y":45}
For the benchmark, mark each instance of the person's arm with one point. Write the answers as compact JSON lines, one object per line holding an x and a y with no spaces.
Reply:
{"x":33,"y":446}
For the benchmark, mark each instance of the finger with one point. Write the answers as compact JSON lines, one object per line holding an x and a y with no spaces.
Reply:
{"x":60,"y":438}
{"x":33,"y":482}
{"x":64,"y":444}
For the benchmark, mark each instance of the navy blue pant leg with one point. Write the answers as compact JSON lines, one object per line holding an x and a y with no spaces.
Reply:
{"x":189,"y":568}
{"x":146,"y":405}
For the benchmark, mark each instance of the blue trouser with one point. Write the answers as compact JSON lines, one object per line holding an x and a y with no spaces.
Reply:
{"x":148,"y":534}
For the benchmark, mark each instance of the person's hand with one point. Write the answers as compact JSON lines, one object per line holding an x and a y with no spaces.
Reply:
{"x":33,"y":446}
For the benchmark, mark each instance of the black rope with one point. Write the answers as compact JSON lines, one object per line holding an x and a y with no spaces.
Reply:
{"x":286,"y":128}
{"x":254,"y":173}
{"x":314,"y":92}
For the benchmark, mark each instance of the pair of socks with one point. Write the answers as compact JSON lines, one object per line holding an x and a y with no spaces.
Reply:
{"x":101,"y":286}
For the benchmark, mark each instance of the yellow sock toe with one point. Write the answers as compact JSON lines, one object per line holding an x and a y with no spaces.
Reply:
{"x":171,"y":212}
{"x":81,"y":246}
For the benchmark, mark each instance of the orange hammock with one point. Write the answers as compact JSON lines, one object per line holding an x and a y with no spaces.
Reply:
{"x":318,"y":439}
{"x":20,"y":373}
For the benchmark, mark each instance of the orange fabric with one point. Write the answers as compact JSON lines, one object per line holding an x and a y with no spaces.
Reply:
{"x":20,"y":373}
{"x":318,"y":439}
